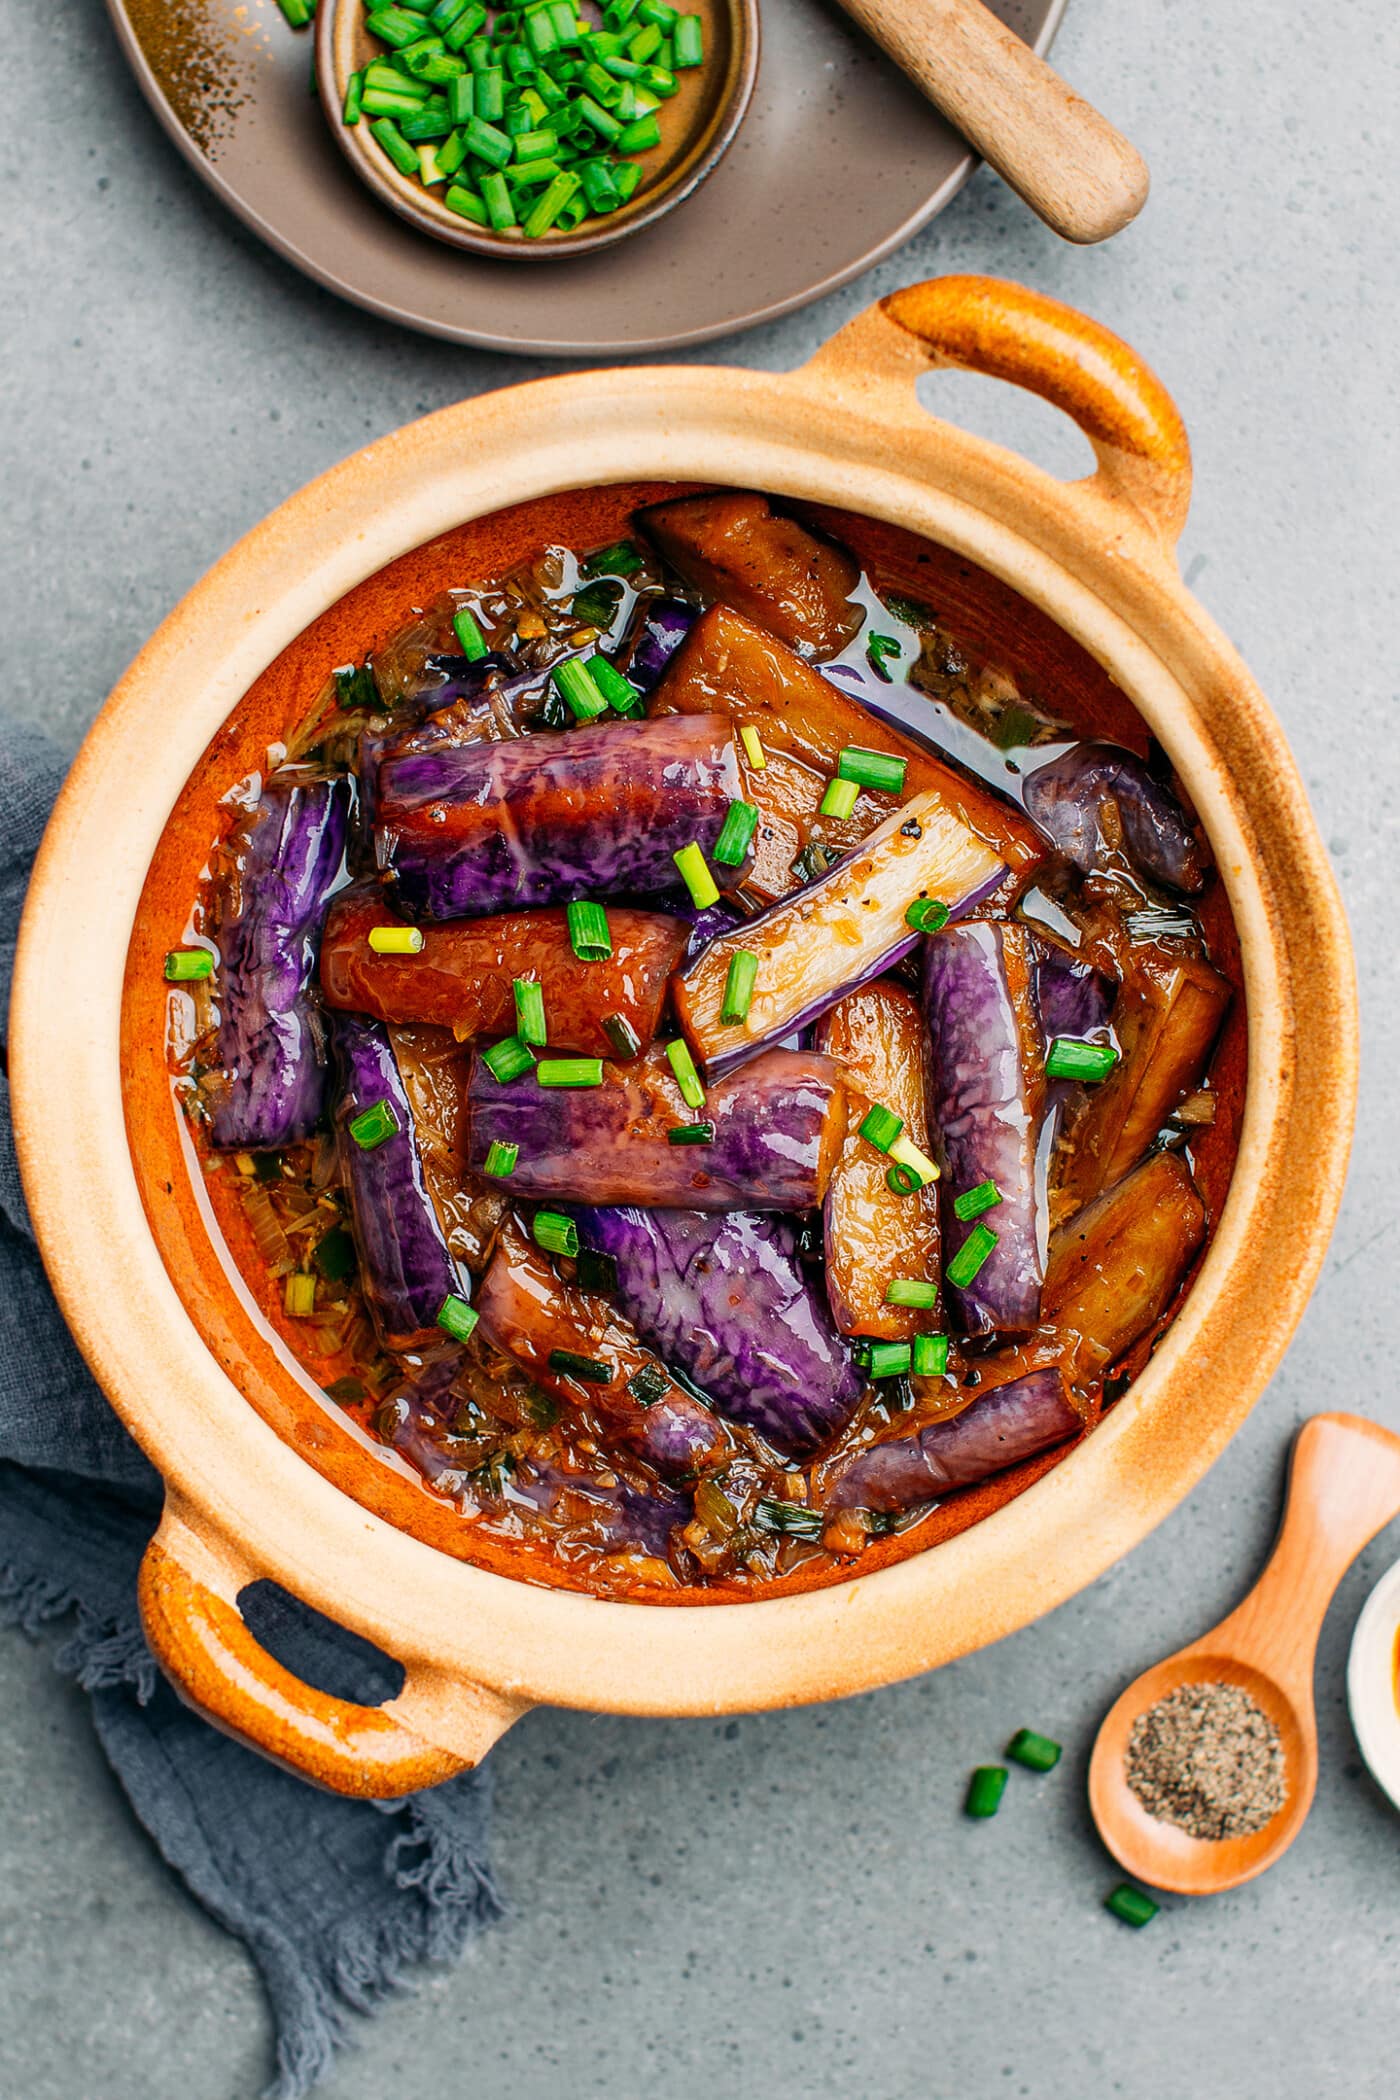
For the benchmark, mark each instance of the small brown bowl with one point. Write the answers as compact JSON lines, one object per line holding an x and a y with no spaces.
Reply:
{"x":697,"y":125}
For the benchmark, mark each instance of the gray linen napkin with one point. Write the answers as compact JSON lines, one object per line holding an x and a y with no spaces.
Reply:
{"x":336,"y":1900}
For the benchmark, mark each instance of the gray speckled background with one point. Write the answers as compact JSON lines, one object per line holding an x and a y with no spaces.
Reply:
{"x":789,"y":1904}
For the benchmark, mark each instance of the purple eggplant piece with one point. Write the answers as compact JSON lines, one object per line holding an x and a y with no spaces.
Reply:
{"x":405,"y":1269}
{"x":1011,"y":1423}
{"x":656,"y":630}
{"x":986,"y":1092}
{"x":468,"y":829}
{"x":449,"y":679}
{"x":1071,"y":997}
{"x":1064,"y":799}
{"x":726,"y":1300}
{"x":779,"y":1126}
{"x":269,"y":917}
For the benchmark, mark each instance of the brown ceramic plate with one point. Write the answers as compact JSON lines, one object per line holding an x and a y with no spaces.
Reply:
{"x":839,"y":161}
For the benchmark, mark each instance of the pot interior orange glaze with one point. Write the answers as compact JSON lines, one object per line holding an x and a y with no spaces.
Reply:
{"x":199,"y":1225}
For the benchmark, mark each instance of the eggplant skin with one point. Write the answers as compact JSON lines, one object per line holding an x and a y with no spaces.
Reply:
{"x":658,"y":627}
{"x":600,"y":810}
{"x":726,"y":1300}
{"x":986,"y":1096}
{"x":1013,"y":1422}
{"x":1071,"y":997}
{"x":269,"y":911}
{"x":405,"y":1269}
{"x":1066,"y":798}
{"x":779,"y":1125}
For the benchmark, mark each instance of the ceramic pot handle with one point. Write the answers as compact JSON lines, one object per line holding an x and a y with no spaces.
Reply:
{"x":188,"y":1589}
{"x":985,"y":324}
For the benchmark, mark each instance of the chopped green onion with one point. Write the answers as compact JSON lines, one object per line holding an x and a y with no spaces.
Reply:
{"x":881,"y":1126}
{"x":596,"y":1272}
{"x":394,"y":25}
{"x":469,"y":636}
{"x":1068,"y":1058}
{"x":387,"y":133}
{"x":792,"y":1520}
{"x":909,"y":1290}
{"x":489,"y":96}
{"x":529,"y":1010}
{"x":589,"y":1370}
{"x":687,"y":1078}
{"x":555,"y":1233}
{"x":495,"y":195}
{"x":882,"y":649}
{"x":574,"y":682}
{"x":467,"y":205}
{"x":619,"y":692}
{"x":926,"y":915}
{"x":525,"y":174}
{"x":396,"y":940}
{"x":644,"y":44}
{"x":621,"y":559}
{"x":299,"y":1295}
{"x":647,"y":1385}
{"x":622,"y":1035}
{"x":639,"y":137}
{"x":488,"y":143}
{"x":355,"y":687}
{"x":597,"y":603}
{"x":373,"y":1125}
{"x":907,"y":1154}
{"x":602,"y":120}
{"x":985,"y":1792}
{"x":378,"y":101}
{"x":570,"y":1071}
{"x":738,"y":987}
{"x":972,"y":1202}
{"x":753,"y":747}
{"x":1131,"y":1905}
{"x":536,"y":145}
{"x":970,"y":1257}
{"x":506,"y":1061}
{"x":350,"y":108}
{"x":500,"y":1159}
{"x":463,"y":28}
{"x":461,"y":99}
{"x":590,"y":936}
{"x":696,"y":876}
{"x":930,"y":1355}
{"x":691,"y":1134}
{"x":689,"y":38}
{"x":886,"y":1359}
{"x":450,"y":154}
{"x":544,"y":213}
{"x":872,"y":769}
{"x":740,"y":824}
{"x":600,"y":186}
{"x":902,"y":1181}
{"x":430,"y":123}
{"x":839,"y":799}
{"x":457,"y":1318}
{"x":1038,"y":1753}
{"x":188,"y":965}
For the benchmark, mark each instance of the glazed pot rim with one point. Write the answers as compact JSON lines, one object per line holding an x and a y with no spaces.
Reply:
{"x":844,"y":430}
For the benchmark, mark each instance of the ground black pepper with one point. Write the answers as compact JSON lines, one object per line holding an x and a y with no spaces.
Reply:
{"x":1209,"y":1759}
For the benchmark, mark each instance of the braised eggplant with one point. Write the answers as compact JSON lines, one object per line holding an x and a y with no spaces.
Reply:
{"x":1013,"y":1422}
{"x":737,"y":549}
{"x":1097,"y":804}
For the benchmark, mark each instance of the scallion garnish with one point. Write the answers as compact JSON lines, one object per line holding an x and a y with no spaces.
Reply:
{"x":457,"y":1318}
{"x":396,"y":940}
{"x":506,"y":1061}
{"x":469,"y":636}
{"x":596,"y":1272}
{"x":886,"y":1359}
{"x":1038,"y":1753}
{"x":570,"y":1071}
{"x":985,"y":1791}
{"x":790,"y":1520}
{"x":351,"y":107}
{"x":740,"y":824}
{"x":972,"y":1202}
{"x":881,"y":651}
{"x":590,"y":936}
{"x":529,"y":1011}
{"x":691,"y":1134}
{"x":355,"y":687}
{"x":299,"y":1295}
{"x":690,"y":863}
{"x":500,"y":1159}
{"x":753,"y":747}
{"x":872,"y":769}
{"x":926,"y":915}
{"x":1130,"y":1905}
{"x":555,"y":1233}
{"x":881,"y":1126}
{"x":970,"y":1257}
{"x":188,"y":965}
{"x":910,"y":1290}
{"x":647,"y":1385}
{"x":622,"y":1035}
{"x":395,"y":145}
{"x":621,"y":559}
{"x":738,"y":987}
{"x":686,"y":1077}
{"x":839,"y":799}
{"x":574,"y":682}
{"x":902,"y":1181}
{"x":373,"y":1125}
{"x":688,"y":40}
{"x":619,"y":692}
{"x":589,"y":1370}
{"x":905,"y":1153}
{"x":1068,"y":1058}
{"x":930,"y":1355}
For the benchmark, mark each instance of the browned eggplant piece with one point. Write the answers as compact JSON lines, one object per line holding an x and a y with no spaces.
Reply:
{"x":462,"y":976}
{"x":1114,"y":1268}
{"x":726,"y":665}
{"x":1015,"y":1421}
{"x":531,"y":1314}
{"x":1167,"y":1017}
{"x":434,"y":1069}
{"x":873,"y":1234}
{"x":733,"y":547}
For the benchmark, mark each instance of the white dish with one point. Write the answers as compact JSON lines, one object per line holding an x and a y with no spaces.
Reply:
{"x":1375,"y":1715}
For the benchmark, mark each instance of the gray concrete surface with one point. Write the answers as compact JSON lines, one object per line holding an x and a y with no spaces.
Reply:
{"x":789,"y":1904}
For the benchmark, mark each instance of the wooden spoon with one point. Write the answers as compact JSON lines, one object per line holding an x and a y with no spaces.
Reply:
{"x":1344,"y":1484}
{"x":1055,"y":150}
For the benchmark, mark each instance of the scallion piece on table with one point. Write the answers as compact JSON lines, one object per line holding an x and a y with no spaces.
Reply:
{"x":619,"y":692}
{"x":926,"y":915}
{"x":905,"y":1153}
{"x":1068,"y":1058}
{"x":507,"y":1060}
{"x":1131,"y":1905}
{"x":738,"y":987}
{"x":647,"y":1385}
{"x":350,"y":108}
{"x":880,"y":1126}
{"x":872,"y":769}
{"x":588,"y":1369}
{"x":299,"y":1295}
{"x":546,"y":209}
{"x":882,"y":649}
{"x":570,"y":1071}
{"x":373,"y":1125}
{"x":555,"y":1233}
{"x":467,"y":205}
{"x":188,"y":965}
{"x":574,"y":682}
{"x":1038,"y":1753}
{"x":972,"y":1202}
{"x":740,"y":824}
{"x":687,"y":1078}
{"x":457,"y":1318}
{"x":930,"y":1355}
{"x":970,"y":1257}
{"x":529,"y":1010}
{"x":470,"y":638}
{"x":985,"y":1791}
{"x":590,"y":936}
{"x":886,"y":1359}
{"x":622,"y":1035}
{"x":690,"y":862}
{"x":839,"y":799}
{"x":689,"y":40}
{"x":386,"y":132}
{"x":500,"y":1159}
{"x":912,"y":1291}
{"x":396,"y":940}
{"x":753,"y":747}
{"x":691,"y":1134}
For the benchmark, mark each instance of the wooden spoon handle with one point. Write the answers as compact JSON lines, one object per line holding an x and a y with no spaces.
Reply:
{"x":1055,"y":150}
{"x":1343,"y":1485}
